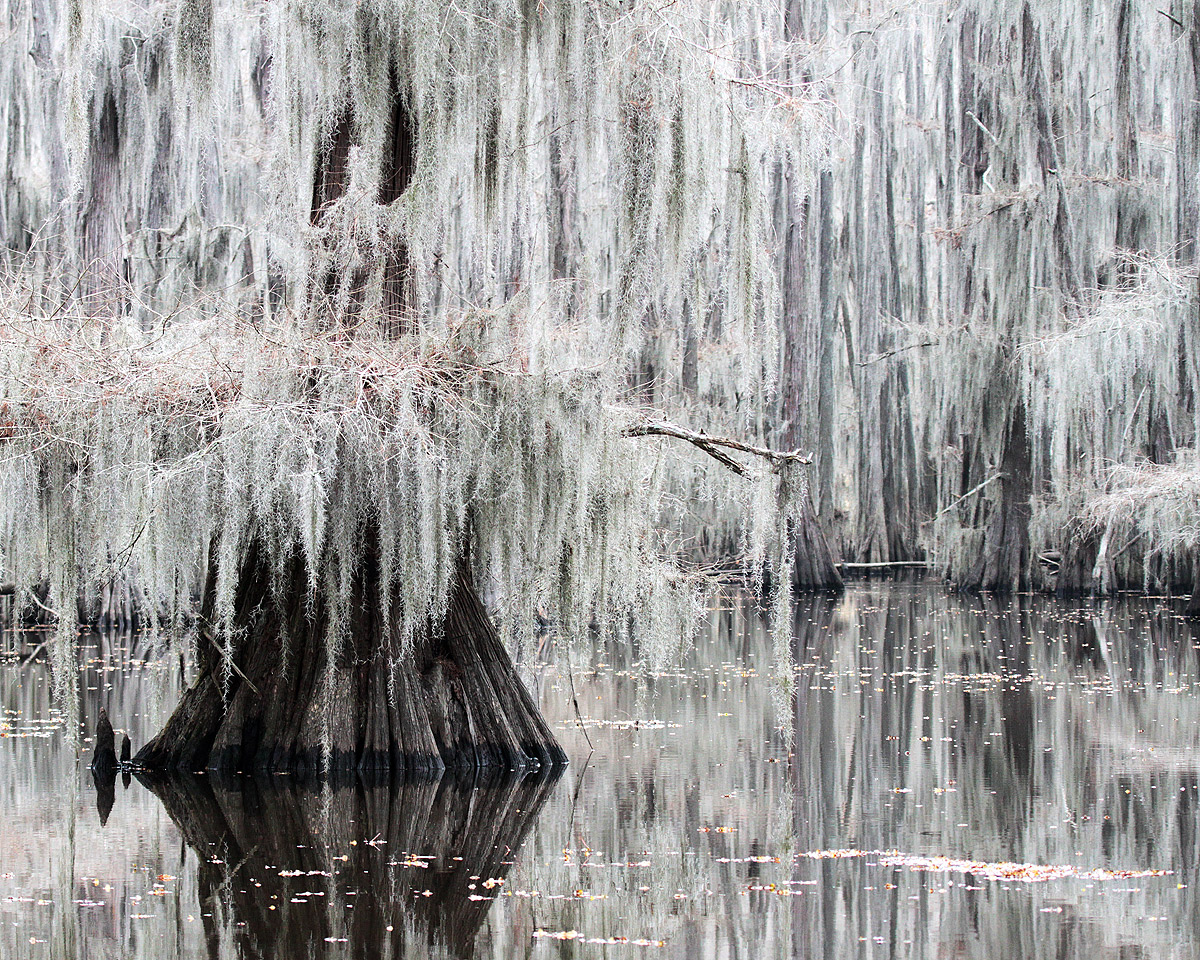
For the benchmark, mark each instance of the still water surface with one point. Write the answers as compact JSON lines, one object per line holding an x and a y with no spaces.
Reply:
{"x":945,"y":777}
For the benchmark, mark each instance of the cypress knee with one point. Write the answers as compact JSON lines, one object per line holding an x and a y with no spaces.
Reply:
{"x":104,"y":757}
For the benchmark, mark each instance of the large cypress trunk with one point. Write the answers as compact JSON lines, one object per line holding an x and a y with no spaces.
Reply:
{"x":451,"y":701}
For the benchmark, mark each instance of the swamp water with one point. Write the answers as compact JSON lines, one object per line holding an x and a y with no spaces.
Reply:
{"x":947,"y":777}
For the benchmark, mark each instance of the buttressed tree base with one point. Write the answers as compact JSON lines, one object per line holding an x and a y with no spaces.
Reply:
{"x":450,"y":701}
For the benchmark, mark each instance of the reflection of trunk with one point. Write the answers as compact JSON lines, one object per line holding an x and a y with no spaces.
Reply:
{"x":816,"y":774}
{"x":1003,"y":562}
{"x":394,"y":866}
{"x":453,"y":701}
{"x":105,"y":782}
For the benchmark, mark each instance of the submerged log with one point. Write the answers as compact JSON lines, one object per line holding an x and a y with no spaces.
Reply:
{"x":885,"y":565}
{"x":451,"y":701}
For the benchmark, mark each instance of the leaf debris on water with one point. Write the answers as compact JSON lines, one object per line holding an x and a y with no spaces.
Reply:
{"x":1002,"y":870}
{"x":603,"y":941}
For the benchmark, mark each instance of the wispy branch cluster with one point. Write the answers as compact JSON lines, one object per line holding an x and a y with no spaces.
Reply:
{"x":1159,"y":503}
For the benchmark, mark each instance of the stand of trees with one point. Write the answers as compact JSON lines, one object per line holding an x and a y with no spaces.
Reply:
{"x":1012,"y":237}
{"x":341,"y":317}
{"x":344,"y":315}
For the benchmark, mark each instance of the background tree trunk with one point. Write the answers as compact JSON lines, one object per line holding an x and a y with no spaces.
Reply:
{"x":1192,"y":609}
{"x":453,"y":701}
{"x":1075,"y":568}
{"x":806,"y":383}
{"x":814,"y":568}
{"x":1003,"y":561}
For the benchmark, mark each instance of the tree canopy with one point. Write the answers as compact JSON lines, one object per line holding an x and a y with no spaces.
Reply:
{"x":291,"y":277}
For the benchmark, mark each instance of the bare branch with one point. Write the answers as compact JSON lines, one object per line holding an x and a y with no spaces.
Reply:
{"x":975,"y":489}
{"x":225,"y":655}
{"x":715,"y":446}
{"x":885,"y":565}
{"x":892,"y":353}
{"x":1172,"y":19}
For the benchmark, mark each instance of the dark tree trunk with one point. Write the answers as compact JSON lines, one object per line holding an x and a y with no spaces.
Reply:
{"x":453,"y":701}
{"x":398,"y":165}
{"x":1003,"y":562}
{"x":399,"y":868}
{"x":813,"y":567}
{"x":1075,"y":571}
{"x":806,"y":382}
{"x":103,"y":268}
{"x":1193,"y":605}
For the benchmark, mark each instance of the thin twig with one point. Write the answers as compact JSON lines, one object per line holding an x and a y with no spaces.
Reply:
{"x":33,"y":655}
{"x":228,"y":659}
{"x":892,"y":353}
{"x":575,"y":702}
{"x":54,"y":613}
{"x":1172,"y":19}
{"x":575,"y":796}
{"x":979,"y":124}
{"x":975,"y":489}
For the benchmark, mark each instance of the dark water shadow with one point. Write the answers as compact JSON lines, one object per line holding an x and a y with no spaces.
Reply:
{"x":105,"y":782}
{"x":361,"y":871}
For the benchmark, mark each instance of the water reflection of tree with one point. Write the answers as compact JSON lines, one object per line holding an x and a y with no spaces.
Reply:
{"x":360,"y":871}
{"x":686,"y":782}
{"x":1023,"y":730}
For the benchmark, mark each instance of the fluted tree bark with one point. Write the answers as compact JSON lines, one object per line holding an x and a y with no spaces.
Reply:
{"x":286,"y":703}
